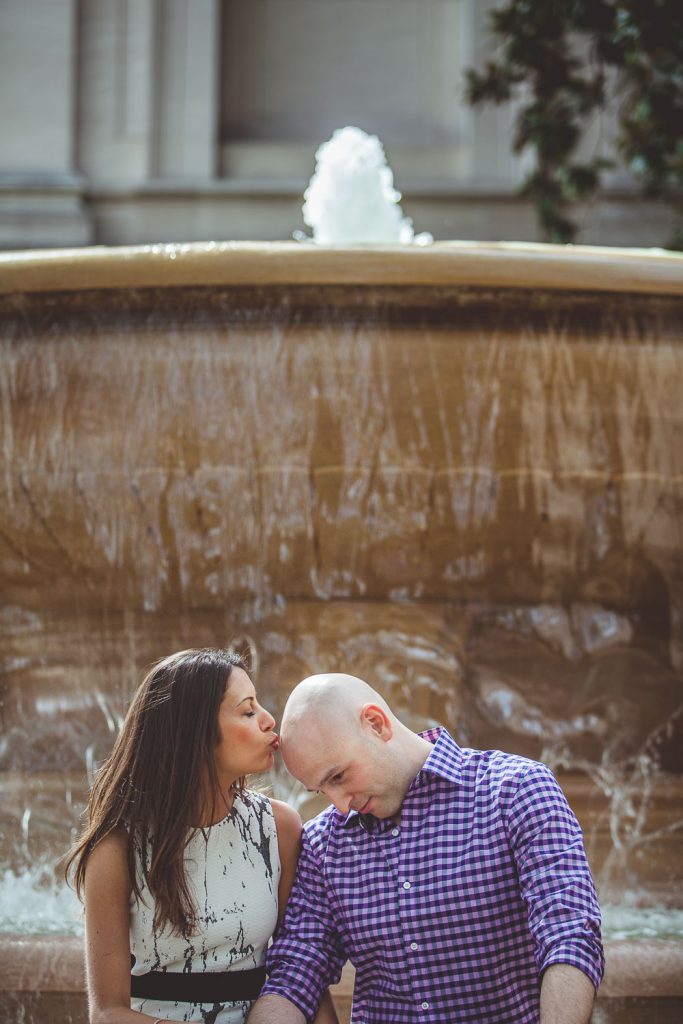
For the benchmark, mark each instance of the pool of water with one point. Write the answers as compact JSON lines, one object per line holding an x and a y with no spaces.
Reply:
{"x":619,"y":922}
{"x":36,"y":903}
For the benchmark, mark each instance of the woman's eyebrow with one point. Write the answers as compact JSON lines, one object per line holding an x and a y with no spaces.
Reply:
{"x":243,"y":700}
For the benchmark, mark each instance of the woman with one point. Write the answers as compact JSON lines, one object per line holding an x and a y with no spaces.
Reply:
{"x":184,"y":872}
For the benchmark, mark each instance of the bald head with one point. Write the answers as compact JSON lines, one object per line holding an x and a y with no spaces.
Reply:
{"x":329,"y":700}
{"x":340,"y":737}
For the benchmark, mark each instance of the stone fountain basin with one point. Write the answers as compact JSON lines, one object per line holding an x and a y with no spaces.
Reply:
{"x":194,"y":426}
{"x":457,"y":470}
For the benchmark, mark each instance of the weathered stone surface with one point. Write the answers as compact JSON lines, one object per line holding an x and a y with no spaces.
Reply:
{"x":189,"y":447}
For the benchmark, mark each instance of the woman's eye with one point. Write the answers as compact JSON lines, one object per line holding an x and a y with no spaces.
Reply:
{"x":250,"y":714}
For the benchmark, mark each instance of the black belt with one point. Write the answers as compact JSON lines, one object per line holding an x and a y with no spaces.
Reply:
{"x":210,"y":987}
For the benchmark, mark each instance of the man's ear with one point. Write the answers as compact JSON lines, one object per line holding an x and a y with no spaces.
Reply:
{"x":377,"y":720}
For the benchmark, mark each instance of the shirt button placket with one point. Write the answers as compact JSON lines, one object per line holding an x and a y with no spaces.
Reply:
{"x":424,"y":1005}
{"x":408,"y":885}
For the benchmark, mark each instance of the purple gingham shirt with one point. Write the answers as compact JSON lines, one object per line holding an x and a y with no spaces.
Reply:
{"x":454,"y":914}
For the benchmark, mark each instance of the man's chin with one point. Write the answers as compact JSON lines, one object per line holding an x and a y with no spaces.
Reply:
{"x":383,"y":812}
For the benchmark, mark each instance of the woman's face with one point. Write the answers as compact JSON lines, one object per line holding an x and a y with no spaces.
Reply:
{"x":247,"y":743}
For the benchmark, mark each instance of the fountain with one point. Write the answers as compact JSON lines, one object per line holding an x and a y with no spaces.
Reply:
{"x":351,"y":197}
{"x":455,"y":470}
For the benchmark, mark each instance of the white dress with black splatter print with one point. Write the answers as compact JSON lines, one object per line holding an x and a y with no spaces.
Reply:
{"x":234,"y":871}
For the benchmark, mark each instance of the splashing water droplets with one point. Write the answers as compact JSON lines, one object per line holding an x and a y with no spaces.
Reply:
{"x":351,"y":197}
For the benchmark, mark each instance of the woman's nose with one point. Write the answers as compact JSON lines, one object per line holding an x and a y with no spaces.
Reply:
{"x":267,"y":720}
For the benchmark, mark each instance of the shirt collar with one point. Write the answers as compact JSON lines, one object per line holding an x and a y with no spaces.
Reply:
{"x":444,"y":761}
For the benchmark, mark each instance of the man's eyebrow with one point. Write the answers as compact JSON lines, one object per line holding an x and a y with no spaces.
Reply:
{"x":328,"y":775}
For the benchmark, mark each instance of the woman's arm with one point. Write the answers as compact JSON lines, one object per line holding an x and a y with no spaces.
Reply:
{"x":288,"y":825}
{"x":107,"y":942}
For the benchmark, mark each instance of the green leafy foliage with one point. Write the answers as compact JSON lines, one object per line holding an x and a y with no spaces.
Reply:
{"x":556,"y":56}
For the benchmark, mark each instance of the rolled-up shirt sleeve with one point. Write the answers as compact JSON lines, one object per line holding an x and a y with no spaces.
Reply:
{"x":555,"y":879}
{"x":306,"y":955}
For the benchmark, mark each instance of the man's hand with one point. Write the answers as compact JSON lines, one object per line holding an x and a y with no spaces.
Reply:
{"x":567,"y":996}
{"x":275,"y":1010}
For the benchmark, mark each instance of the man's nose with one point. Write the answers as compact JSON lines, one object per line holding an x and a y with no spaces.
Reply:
{"x":340,"y":800}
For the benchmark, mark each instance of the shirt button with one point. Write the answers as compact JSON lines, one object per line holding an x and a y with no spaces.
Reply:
{"x":406,"y":885}
{"x":394,"y":831}
{"x":413,"y":945}
{"x":425,"y":1005}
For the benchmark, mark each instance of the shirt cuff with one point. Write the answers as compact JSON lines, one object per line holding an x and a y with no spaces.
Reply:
{"x":303,"y":1001}
{"x":585,"y":954}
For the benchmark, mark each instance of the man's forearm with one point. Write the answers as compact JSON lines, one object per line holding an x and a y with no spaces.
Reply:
{"x":567,"y":996}
{"x":327,"y":1013}
{"x":275,"y":1010}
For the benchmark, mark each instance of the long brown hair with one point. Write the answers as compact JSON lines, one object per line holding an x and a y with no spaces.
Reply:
{"x":152,"y":784}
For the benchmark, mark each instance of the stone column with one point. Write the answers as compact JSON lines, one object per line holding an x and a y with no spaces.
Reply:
{"x":147,"y":114}
{"x":187,"y":109}
{"x":40,"y":190}
{"x":117,"y":90}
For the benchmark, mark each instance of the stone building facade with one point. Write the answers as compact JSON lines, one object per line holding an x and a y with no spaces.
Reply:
{"x":131,"y":121}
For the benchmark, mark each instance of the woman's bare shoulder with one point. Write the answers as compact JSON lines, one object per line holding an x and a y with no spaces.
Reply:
{"x":287,"y":821}
{"x":109,"y":857}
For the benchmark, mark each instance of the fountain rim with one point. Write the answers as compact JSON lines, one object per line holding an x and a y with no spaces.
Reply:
{"x":55,"y":963}
{"x":512,"y":265}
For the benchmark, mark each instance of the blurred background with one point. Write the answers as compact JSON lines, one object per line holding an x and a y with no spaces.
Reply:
{"x":133,"y":121}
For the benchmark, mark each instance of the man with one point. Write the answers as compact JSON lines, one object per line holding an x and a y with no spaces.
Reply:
{"x":455,"y":880}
